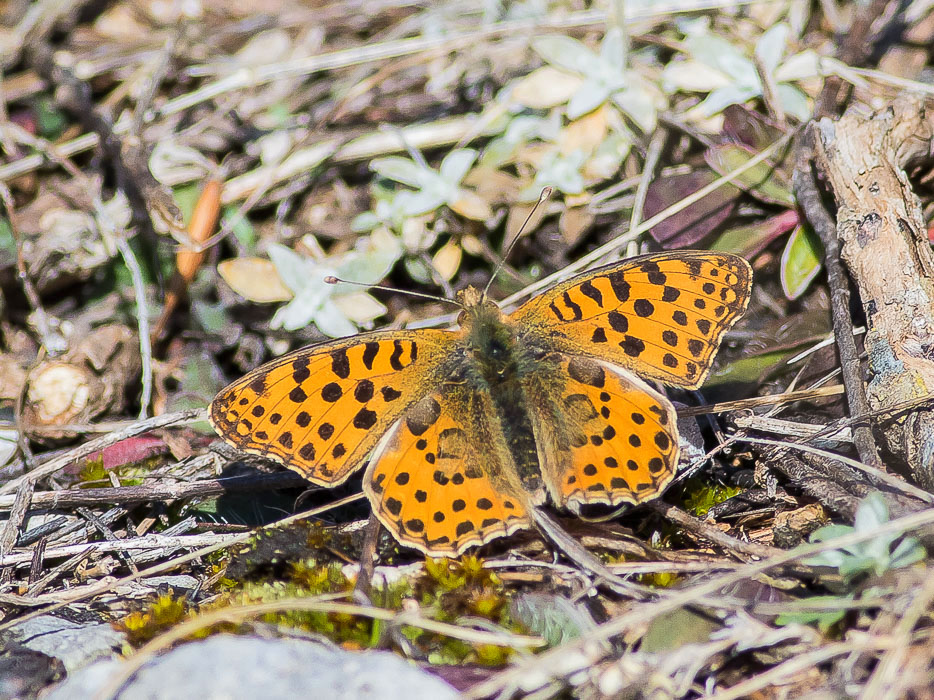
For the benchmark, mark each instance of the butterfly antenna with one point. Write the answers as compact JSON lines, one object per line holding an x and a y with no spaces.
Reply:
{"x":330,"y":279}
{"x":546,"y":194}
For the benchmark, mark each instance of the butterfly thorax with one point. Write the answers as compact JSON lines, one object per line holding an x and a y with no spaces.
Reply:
{"x":495,"y":366}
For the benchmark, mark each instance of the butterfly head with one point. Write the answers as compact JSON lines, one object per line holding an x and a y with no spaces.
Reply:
{"x":489,"y":338}
{"x":476,"y":308}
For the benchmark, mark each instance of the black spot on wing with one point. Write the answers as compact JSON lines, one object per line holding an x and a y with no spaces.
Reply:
{"x":619,"y":284}
{"x":370,"y":351}
{"x":576,"y":313}
{"x":395,"y":357}
{"x":340,"y":363}
{"x":363,"y":392}
{"x":618,"y":322}
{"x":670,"y":294}
{"x":389,"y":394}
{"x":643,"y":307}
{"x":589,"y":290}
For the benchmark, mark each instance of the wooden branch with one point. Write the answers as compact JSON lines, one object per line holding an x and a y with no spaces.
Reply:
{"x":884,"y":243}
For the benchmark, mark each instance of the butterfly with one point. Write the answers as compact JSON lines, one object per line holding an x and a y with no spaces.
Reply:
{"x":468,"y":429}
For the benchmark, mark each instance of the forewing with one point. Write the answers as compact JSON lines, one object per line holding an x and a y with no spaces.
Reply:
{"x":438,"y":484}
{"x":607,"y":437}
{"x":661,"y":315}
{"x":322,"y":409}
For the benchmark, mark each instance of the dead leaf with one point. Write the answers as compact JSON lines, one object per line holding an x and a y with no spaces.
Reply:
{"x":573,"y":223}
{"x":585,"y":134}
{"x":255,"y":279}
{"x":544,"y":88}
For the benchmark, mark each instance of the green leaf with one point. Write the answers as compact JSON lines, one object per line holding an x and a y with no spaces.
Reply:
{"x":292,"y":267}
{"x":793,"y":101}
{"x":560,"y":172}
{"x":332,"y":322}
{"x":50,"y":120}
{"x":7,"y":242}
{"x":800,"y":262}
{"x":747,"y":241}
{"x":565,"y":52}
{"x":749,"y":369}
{"x":834,"y":611}
{"x":9,"y":445}
{"x":369,"y":263}
{"x":612,"y":51}
{"x":455,"y":165}
{"x":872,"y":513}
{"x":762,"y":180}
{"x":639,"y":105}
{"x":874,"y":556}
{"x":366,"y":221}
{"x":301,"y":310}
{"x":399,"y":169}
{"x":186,"y":196}
{"x":721,"y":98}
{"x":555,"y":619}
{"x":242,"y":229}
{"x":417,"y":203}
{"x":724,"y":56}
{"x":771,"y":46}
{"x":212,"y":318}
{"x":590,"y":96}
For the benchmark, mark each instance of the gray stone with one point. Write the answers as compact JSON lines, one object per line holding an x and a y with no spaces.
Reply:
{"x":75,"y":644}
{"x":226,"y":667}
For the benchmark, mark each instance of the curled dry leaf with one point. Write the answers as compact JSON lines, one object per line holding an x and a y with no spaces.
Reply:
{"x":189,"y":259}
{"x":448,"y":259}
{"x":61,"y":242}
{"x":200,"y":229}
{"x":12,"y":376}
{"x":88,"y":381}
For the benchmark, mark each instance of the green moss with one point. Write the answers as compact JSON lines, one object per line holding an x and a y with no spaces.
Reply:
{"x":662,"y":579}
{"x":700,"y":496}
{"x":163,"y":613}
{"x":94,"y":475}
{"x":292,"y":563}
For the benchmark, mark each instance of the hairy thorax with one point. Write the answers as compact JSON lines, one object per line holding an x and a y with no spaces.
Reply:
{"x":497,"y":365}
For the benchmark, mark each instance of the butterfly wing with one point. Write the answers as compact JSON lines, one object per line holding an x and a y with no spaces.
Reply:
{"x":437,"y":481}
{"x":662,"y":316}
{"x":604,"y":435}
{"x":320,"y":410}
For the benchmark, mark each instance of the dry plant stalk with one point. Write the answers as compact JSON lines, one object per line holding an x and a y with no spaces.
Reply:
{"x":885,"y":246}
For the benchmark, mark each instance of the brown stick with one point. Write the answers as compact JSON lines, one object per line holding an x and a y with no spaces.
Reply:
{"x":809,"y":199}
{"x":126,"y":495}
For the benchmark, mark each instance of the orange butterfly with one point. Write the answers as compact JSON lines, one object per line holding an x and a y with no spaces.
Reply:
{"x":468,"y":429}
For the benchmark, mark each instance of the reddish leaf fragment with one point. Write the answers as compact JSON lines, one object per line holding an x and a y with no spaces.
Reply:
{"x":697,"y":221}
{"x":131,"y":451}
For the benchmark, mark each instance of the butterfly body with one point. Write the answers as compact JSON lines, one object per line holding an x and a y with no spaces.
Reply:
{"x":495,"y":371}
{"x":466,"y":430}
